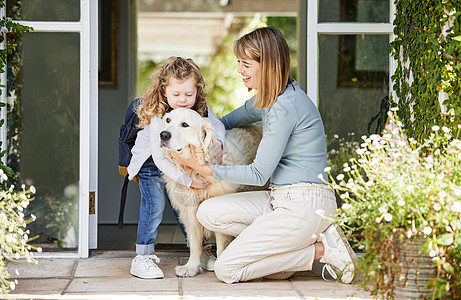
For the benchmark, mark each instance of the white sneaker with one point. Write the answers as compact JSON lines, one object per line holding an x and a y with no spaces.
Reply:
{"x":338,"y":254}
{"x":143,"y":266}
{"x":208,"y":259}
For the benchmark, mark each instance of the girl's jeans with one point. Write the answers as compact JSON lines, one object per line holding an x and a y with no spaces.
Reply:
{"x":153,"y":197}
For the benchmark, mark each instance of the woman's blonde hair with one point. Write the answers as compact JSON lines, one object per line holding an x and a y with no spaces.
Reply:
{"x":267,"y":46}
{"x":155,"y":103}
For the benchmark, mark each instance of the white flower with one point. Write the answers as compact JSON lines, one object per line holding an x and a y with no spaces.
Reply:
{"x":320,"y":212}
{"x":388,"y":217}
{"x":442,"y":194}
{"x":320,"y":176}
{"x":12,"y":285}
{"x":427,"y":230}
{"x":347,"y":169}
{"x":456,"y":207}
{"x":344,"y":196}
{"x":432,"y":253}
{"x":340,"y":177}
{"x":435,"y":128}
{"x":327,"y":169}
{"x":336,"y":136}
{"x":346,"y":206}
{"x":445,"y":129}
{"x":437,"y":206}
{"x":457,"y":192}
{"x":395,"y":108}
{"x":32,"y":189}
{"x":409,"y":233}
{"x":401,"y":203}
{"x":382,"y":209}
{"x":378,"y":220}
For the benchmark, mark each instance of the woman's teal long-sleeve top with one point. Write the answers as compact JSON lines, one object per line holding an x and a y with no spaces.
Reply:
{"x":293,"y":146}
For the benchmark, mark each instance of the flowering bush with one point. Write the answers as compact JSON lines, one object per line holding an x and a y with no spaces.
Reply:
{"x":398,"y":190}
{"x":340,"y":149}
{"x":13,"y":234}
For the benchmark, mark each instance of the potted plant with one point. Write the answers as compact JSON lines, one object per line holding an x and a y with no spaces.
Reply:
{"x":402,"y":208}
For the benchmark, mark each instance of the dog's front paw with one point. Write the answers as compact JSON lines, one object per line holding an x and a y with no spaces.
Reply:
{"x":187,"y":271}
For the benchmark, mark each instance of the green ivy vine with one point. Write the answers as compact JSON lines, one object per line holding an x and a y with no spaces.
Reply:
{"x":427,"y":49}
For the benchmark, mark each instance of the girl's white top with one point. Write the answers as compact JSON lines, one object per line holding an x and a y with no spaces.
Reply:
{"x":148,"y":143}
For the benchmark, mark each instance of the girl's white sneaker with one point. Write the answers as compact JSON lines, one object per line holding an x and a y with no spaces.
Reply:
{"x":143,"y":266}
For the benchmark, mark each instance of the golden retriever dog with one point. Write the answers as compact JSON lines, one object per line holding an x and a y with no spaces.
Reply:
{"x":181,"y":128}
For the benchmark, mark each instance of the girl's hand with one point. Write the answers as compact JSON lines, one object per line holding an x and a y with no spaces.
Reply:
{"x":192,"y":162}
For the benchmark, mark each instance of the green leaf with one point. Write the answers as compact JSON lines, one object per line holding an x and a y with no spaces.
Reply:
{"x":445,"y":239}
{"x":457,"y":38}
{"x":449,"y":268}
{"x":458,"y":239}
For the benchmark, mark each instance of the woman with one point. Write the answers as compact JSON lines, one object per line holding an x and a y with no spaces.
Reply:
{"x":281,"y":230}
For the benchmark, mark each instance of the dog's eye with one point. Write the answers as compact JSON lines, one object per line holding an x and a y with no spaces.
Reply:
{"x":184,"y":124}
{"x":168,"y":120}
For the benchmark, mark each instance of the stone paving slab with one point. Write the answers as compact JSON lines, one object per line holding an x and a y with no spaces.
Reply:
{"x":117,"y":285}
{"x":59,"y":267}
{"x":329,"y":289}
{"x":38,"y":286}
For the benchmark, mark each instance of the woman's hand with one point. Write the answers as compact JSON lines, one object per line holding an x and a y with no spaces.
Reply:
{"x":192,"y":162}
{"x":202,"y":183}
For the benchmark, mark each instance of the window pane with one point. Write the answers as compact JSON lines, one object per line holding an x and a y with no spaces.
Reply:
{"x":40,"y":10}
{"x":353,"y":80}
{"x":376,"y":11}
{"x":44,"y":133}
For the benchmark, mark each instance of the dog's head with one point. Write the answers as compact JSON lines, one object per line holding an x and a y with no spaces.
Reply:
{"x":183,"y":127}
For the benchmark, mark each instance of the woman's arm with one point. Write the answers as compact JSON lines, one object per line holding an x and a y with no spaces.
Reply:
{"x":242,"y":116}
{"x":277,"y":131}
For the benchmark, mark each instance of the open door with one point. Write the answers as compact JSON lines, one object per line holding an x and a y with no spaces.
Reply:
{"x":55,"y":129}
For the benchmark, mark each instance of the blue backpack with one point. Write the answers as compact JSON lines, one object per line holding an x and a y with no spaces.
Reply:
{"x":126,"y":140}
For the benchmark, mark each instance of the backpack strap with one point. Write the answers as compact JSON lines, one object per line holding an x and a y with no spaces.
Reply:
{"x":123,"y":202}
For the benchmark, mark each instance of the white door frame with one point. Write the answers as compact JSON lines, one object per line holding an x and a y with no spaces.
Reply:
{"x":87,"y":27}
{"x":314,"y":28}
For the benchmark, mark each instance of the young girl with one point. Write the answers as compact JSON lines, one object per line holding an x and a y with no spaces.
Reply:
{"x":279,"y":231}
{"x":176,"y":83}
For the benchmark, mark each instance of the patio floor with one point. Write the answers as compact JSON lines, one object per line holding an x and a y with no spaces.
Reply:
{"x":105,"y":275}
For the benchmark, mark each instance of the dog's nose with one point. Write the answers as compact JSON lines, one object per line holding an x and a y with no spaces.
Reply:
{"x":165,"y":135}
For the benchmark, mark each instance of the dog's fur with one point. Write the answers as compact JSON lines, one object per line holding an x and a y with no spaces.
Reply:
{"x":181,"y":128}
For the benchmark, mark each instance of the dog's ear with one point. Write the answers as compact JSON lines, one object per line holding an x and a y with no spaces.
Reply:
{"x":207,"y":139}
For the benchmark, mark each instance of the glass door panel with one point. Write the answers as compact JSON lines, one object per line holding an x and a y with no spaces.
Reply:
{"x":374,"y":11}
{"x":353,"y":80}
{"x":44,"y":10}
{"x":44,"y":133}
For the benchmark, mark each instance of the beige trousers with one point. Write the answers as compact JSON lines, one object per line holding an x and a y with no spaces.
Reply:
{"x":275,"y":230}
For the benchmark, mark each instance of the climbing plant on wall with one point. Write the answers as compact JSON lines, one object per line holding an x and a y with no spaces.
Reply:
{"x":427,"y":48}
{"x":14,"y":234}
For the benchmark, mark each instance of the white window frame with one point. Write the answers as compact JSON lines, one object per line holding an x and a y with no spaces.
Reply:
{"x":314,"y":29}
{"x":87,"y":28}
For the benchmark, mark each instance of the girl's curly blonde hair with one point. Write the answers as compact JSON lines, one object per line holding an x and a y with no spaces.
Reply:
{"x":154,"y":102}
